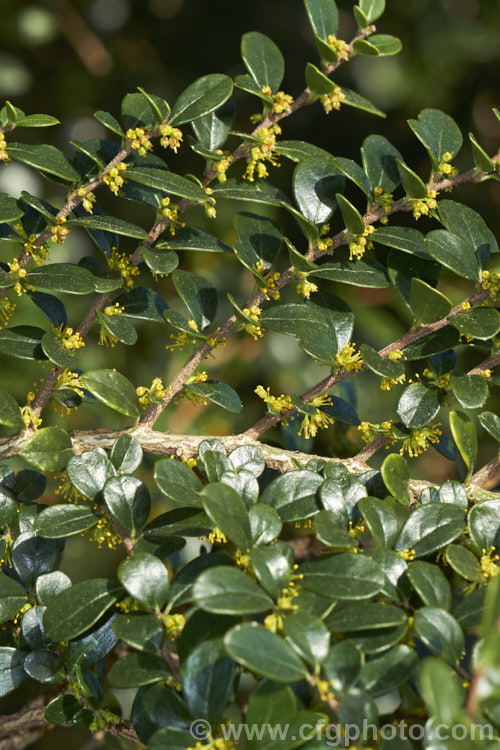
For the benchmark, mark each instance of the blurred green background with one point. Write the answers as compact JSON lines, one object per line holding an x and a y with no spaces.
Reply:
{"x":70,"y":59}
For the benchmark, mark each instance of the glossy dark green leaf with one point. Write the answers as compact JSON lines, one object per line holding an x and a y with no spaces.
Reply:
{"x":193,"y":238}
{"x":323,"y":17}
{"x":491,"y":423}
{"x":418,"y":405}
{"x":293,"y":495}
{"x":10,"y":413}
{"x":178,"y":482}
{"x":265,"y":524}
{"x":110,"y":122}
{"x":304,"y":322}
{"x":431,"y":527}
{"x":454,"y":493}
{"x":315,"y":184}
{"x":161,"y":262}
{"x":128,"y":501}
{"x":200,"y":98}
{"x":438,"y":133}
{"x":380,"y":519}
{"x":10,"y":210}
{"x":471,"y":391}
{"x":44,"y":158}
{"x":169,"y":182}
{"x":465,"y":563}
{"x":406,"y":239}
{"x":352,"y":218}
{"x":44,"y":666}
{"x":271,"y":567}
{"x":207,"y":675}
{"x":218,"y":393}
{"x":384,"y":45}
{"x":396,"y":476}
{"x":430,"y":583}
{"x":136,"y":670}
{"x":427,"y":304}
{"x":363,"y":273}
{"x":308,"y":636}
{"x":89,"y":472}
{"x":140,"y":630}
{"x":49,"y":449}
{"x":12,"y":597}
{"x":227,"y":590}
{"x":146,"y":579}
{"x":228,"y":512}
{"x":56,"y":352}
{"x":258,"y":241}
{"x":435,"y":343}
{"x":353,"y":99}
{"x":62,"y":277}
{"x":61,"y":710}
{"x":92,"y":648}
{"x":12,"y":672}
{"x":264,"y":652}
{"x":59,"y":521}
{"x":372,"y":9}
{"x":364,"y":616}
{"x":171,"y":737}
{"x":113,"y":389}
{"x":383,"y":366}
{"x":118,"y":326}
{"x":469,"y":225}
{"x":454,"y":253}
{"x":484,"y":525}
{"x":380,"y":163}
{"x":332,"y":530}
{"x":199,"y":296}
{"x":342,"y":666}
{"x":440,"y":632}
{"x":263,"y":60}
{"x":110,"y":224}
{"x":49,"y":585}
{"x":387,"y":672}
{"x":464,"y":434}
{"x":479,"y":323}
{"x":76,"y":609}
{"x":412,"y":183}
{"x":254,"y":192}
{"x":442,"y":691}
{"x":343,"y":576}
{"x":137,"y":111}
{"x":483,"y":162}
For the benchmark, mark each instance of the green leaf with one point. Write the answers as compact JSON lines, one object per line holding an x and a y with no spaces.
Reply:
{"x":342,"y":665}
{"x":255,"y":192}
{"x":146,"y":579}
{"x":113,"y":389}
{"x":37,"y":121}
{"x":77,"y":608}
{"x":440,"y":632}
{"x":228,"y":511}
{"x":484,"y":524}
{"x":193,"y":238}
{"x":483,"y":162}
{"x":442,"y":691}
{"x":431,"y":527}
{"x":342,"y":576}
{"x":128,"y":501}
{"x":439,"y":134}
{"x":126,"y":454}
{"x":106,"y":223}
{"x":12,"y":672}
{"x":271,"y":567}
{"x":199,"y":296}
{"x":353,"y":172}
{"x":213,"y":129}
{"x":219,"y":393}
{"x":353,"y":99}
{"x":169,"y":182}
{"x":49,"y":585}
{"x":427,"y":304}
{"x":207,"y":678}
{"x":362,"y":273}
{"x":380,"y":519}
{"x":323,"y":17}
{"x":263,"y":60}
{"x":135,"y":670}
{"x":137,"y":111}
{"x":89,"y":472}
{"x":228,"y":591}
{"x":44,"y":158}
{"x":317,"y":82}
{"x":430,"y":583}
{"x":59,"y":521}
{"x":308,"y":636}
{"x":10,"y":210}
{"x":141,"y":630}
{"x":412,"y":183}
{"x":491,"y":423}
{"x":468,"y":224}
{"x":265,"y":524}
{"x":159,"y":261}
{"x":372,"y":9}
{"x":109,"y":122}
{"x":406,"y":239}
{"x":62,"y":277}
{"x":364,"y":616}
{"x":464,"y":434}
{"x":12,"y":597}
{"x":117,"y":326}
{"x":383,"y":366}
{"x":352,"y":218}
{"x":49,"y":449}
{"x":465,"y":563}
{"x":61,"y":710}
{"x":264,"y":652}
{"x":435,"y":343}
{"x":56,"y":352}
{"x":315,"y":184}
{"x":200,"y":98}
{"x":257,"y":239}
{"x":479,"y":323}
{"x":380,"y":163}
{"x":384,"y":45}
{"x":293,"y":495}
{"x":178,"y":482}
{"x":387,"y":672}
{"x":471,"y":391}
{"x":44,"y":666}
{"x":10,"y":413}
{"x":454,"y":253}
{"x":332,"y":531}
{"x":418,"y":405}
{"x":304,"y":322}
{"x":396,"y":476}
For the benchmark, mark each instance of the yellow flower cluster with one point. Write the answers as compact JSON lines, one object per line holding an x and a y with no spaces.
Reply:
{"x":199,"y":377}
{"x":360,"y":243}
{"x":446,"y":168}
{"x":102,"y":720}
{"x":275,"y":404}
{"x":4,"y":156}
{"x":340,"y":47}
{"x":349,"y":359}
{"x":69,"y":338}
{"x":488,"y":563}
{"x":16,"y":269}
{"x":156,"y":390}
{"x":271,"y":290}
{"x":222,"y":165}
{"x":88,"y":199}
{"x":59,"y":232}
{"x":262,"y":152}
{"x":181,"y":341}
{"x":174,"y":625}
{"x":370,"y":431}
{"x":312,"y":423}
{"x":170,"y":211}
{"x":113,"y":177}
{"x":29,"y":418}
{"x":419,"y":439}
{"x":407,"y":554}
{"x":171,"y":137}
{"x":333,"y":100}
{"x":395,"y":355}
{"x":422,"y":206}
{"x":210,"y":210}
{"x":254,"y":330}
{"x":7,"y":309}
{"x":491,"y":281}
{"x":122,"y":263}
{"x":387,"y":383}
{"x":281,"y":102}
{"x":38,"y":252}
{"x":69,"y":379}
{"x":305,"y":288}
{"x":139,"y":140}
{"x":104,"y":533}
{"x":115,"y":309}
{"x":217,"y":536}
